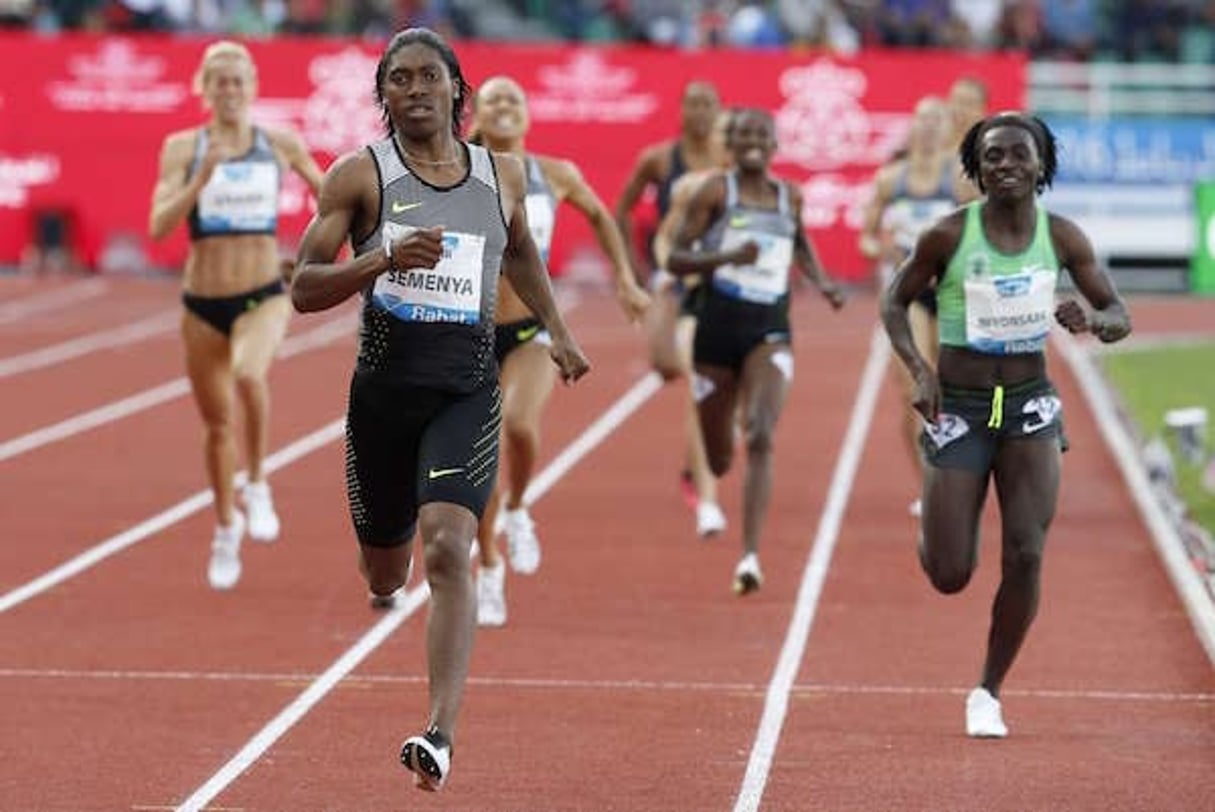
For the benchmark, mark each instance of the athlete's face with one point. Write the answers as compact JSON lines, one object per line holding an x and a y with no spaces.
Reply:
{"x":699,"y":109}
{"x":930,"y":127}
{"x":1009,"y":164}
{"x":752,"y":140}
{"x":718,"y":142}
{"x":418,"y":91}
{"x":501,"y":110}
{"x":229,"y":86}
{"x":967,"y":105}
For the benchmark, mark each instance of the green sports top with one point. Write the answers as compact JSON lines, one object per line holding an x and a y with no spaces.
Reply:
{"x":997,"y":303}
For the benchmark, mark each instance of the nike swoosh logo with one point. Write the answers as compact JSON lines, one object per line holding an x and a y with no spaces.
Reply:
{"x":527,"y":333}
{"x":398,"y":206}
{"x":436,"y":473}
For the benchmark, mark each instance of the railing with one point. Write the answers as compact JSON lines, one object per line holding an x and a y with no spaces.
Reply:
{"x":1101,"y":90}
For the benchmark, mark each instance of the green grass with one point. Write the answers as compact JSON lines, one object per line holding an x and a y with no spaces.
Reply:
{"x":1153,"y":381}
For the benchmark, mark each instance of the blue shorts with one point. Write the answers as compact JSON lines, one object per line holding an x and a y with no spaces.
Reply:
{"x":409,"y":445}
{"x":975,"y":423}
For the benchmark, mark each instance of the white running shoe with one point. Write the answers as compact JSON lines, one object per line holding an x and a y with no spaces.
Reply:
{"x":224,"y":569}
{"x":428,"y":757}
{"x":747,"y":575}
{"x":916,"y":508}
{"x":983,"y":717}
{"x":491,"y":595}
{"x":522,"y":545}
{"x":386,"y":603}
{"x":709,"y":519}
{"x":263,"y":521}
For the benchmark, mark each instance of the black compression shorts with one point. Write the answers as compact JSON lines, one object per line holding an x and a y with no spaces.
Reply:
{"x":407,"y":446}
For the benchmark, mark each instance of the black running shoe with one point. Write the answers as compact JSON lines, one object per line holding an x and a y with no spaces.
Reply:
{"x":428,"y":757}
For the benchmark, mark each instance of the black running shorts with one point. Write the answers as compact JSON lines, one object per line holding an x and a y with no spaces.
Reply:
{"x":408,"y":445}
{"x":973,"y":424}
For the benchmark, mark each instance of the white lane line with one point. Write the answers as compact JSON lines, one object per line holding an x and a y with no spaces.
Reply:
{"x":109,"y":413}
{"x":141,"y":401}
{"x":776,"y":702}
{"x":609,"y":685}
{"x":93,"y":342}
{"x":183,"y":509}
{"x":1169,"y":545}
{"x":51,"y":299}
{"x":608,"y":422}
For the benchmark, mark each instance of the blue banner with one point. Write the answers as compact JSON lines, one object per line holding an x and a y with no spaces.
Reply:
{"x":1134,"y":150}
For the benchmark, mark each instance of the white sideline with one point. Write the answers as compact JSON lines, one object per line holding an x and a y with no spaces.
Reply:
{"x":608,"y":422}
{"x":93,"y":342}
{"x":51,"y":299}
{"x":1170,"y":547}
{"x":188,"y":506}
{"x":132,"y":404}
{"x":776,"y":702}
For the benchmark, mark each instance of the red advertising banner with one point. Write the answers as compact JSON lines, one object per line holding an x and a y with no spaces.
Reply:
{"x":82,"y":119}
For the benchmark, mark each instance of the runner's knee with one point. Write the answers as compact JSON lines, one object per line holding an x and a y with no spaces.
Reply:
{"x":445,"y":554}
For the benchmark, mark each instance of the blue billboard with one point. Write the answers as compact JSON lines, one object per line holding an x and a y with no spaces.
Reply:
{"x":1134,"y":150}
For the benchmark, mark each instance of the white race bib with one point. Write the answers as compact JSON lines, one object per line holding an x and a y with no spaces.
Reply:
{"x":239,"y":197}
{"x":540,"y":220}
{"x":765,"y":281}
{"x":1010,"y":314}
{"x":448,"y":292}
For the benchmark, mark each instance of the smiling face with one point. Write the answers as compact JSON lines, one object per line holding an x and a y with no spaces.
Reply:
{"x":418,"y":91}
{"x":229,"y":85}
{"x":752,"y":140}
{"x":1009,"y":164}
{"x":500,"y":110}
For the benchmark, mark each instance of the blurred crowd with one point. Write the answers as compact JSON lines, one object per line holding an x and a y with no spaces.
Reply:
{"x":1115,"y":30}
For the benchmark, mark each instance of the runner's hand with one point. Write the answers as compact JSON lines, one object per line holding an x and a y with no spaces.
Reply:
{"x":835,"y":296}
{"x":1108,"y":329}
{"x":926,"y":398}
{"x":746,"y":254}
{"x":633,"y":299}
{"x":568,"y":357}
{"x":421,"y":248}
{"x":216,"y":154}
{"x":1070,"y":316}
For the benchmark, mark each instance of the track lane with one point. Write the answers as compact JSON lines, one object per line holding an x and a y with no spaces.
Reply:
{"x":276,"y":621}
{"x":622,"y":618}
{"x":48,"y":312}
{"x":1111,"y":703}
{"x":629,"y":676}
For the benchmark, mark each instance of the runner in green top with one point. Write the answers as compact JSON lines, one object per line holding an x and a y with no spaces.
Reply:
{"x":989,"y":409}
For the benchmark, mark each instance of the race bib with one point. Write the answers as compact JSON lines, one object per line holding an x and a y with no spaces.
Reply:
{"x":239,"y":197}
{"x":765,"y":281}
{"x":540,"y":220}
{"x":1010,"y":314}
{"x":449,"y":292}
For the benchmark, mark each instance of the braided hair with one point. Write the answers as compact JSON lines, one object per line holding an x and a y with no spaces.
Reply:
{"x":1044,"y":140}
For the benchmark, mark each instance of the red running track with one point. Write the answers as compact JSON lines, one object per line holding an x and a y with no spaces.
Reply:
{"x":629,"y":677}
